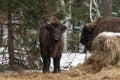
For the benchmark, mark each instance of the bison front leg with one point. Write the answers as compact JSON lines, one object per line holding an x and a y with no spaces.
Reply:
{"x":46,"y":63}
{"x":56,"y":62}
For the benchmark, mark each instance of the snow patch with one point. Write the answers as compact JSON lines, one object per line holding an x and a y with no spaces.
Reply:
{"x":109,"y":34}
{"x":70,"y":60}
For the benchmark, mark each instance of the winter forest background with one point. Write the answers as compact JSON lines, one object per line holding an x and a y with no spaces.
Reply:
{"x":20,"y":21}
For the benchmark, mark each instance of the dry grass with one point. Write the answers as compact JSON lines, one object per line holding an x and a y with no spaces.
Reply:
{"x":112,"y":73}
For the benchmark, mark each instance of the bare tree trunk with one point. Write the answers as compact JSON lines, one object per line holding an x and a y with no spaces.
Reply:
{"x":63,"y":5}
{"x":1,"y":31}
{"x":93,"y":7}
{"x":90,"y":10}
{"x":96,"y":7}
{"x":10,"y":36}
{"x":107,"y":7}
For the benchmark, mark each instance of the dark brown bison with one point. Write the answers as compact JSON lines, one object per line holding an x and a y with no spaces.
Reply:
{"x":51,"y":44}
{"x":101,"y":24}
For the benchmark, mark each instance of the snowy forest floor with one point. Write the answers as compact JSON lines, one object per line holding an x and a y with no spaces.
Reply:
{"x":109,"y":73}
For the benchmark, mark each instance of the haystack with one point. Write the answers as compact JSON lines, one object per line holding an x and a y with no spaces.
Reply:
{"x":106,"y":52}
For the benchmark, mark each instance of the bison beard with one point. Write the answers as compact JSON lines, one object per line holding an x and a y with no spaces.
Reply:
{"x":101,"y":24}
{"x":51,"y":45}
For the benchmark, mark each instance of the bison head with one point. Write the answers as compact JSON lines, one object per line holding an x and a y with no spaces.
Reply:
{"x":86,"y":36}
{"x":56,"y":30}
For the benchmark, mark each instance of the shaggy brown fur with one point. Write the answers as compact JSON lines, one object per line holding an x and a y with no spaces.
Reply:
{"x":106,"y":52}
{"x":53,"y":19}
{"x":51,"y":44}
{"x":101,"y":24}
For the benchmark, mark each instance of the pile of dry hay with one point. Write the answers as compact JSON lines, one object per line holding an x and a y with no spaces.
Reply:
{"x":106,"y":53}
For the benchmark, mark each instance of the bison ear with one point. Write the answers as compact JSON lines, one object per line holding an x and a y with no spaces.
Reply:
{"x":64,"y":28}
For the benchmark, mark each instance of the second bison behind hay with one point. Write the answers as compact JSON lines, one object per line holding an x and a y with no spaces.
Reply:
{"x":100,"y":24}
{"x":106,"y":51}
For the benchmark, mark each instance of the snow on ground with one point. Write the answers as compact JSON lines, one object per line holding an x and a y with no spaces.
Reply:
{"x":70,"y":59}
{"x":3,"y":57}
{"x":2,"y":49}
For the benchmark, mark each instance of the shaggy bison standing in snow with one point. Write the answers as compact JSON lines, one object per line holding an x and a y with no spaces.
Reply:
{"x":101,"y":24}
{"x":51,"y":43}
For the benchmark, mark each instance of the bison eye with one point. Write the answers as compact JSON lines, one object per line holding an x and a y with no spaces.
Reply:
{"x":50,"y":27}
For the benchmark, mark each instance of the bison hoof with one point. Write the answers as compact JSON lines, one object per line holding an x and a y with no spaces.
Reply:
{"x":56,"y":71}
{"x":46,"y":71}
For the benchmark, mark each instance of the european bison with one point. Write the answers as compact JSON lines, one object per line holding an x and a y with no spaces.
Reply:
{"x":101,"y":24}
{"x":51,"y":44}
